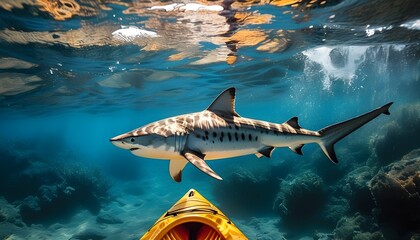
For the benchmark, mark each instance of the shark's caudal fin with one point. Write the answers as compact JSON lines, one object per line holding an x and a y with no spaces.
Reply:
{"x":332,"y":134}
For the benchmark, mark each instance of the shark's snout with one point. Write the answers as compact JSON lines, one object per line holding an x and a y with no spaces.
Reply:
{"x":120,"y":142}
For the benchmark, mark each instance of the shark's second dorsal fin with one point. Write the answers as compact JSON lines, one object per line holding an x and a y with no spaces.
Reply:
{"x":224,"y":103}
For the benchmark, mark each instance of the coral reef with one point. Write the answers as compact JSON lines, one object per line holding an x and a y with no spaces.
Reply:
{"x":357,"y":227}
{"x":396,"y":191}
{"x":262,"y":228}
{"x":79,"y":188}
{"x":401,"y":136}
{"x":9,"y":214}
{"x":10,"y":219}
{"x":336,"y":208}
{"x":105,"y":218}
{"x":355,"y":188}
{"x":89,"y":234}
{"x":234,"y":195}
{"x":353,"y":153}
{"x":45,"y":190}
{"x":382,"y":204}
{"x":301,"y":198}
{"x":23,"y":170}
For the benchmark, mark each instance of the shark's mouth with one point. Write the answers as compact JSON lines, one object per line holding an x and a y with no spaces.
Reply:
{"x":134,"y":149}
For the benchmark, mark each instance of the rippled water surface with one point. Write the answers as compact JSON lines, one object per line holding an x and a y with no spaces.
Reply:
{"x":74,"y":73}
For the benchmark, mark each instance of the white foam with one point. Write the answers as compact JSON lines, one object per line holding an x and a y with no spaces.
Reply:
{"x":168,"y":8}
{"x":329,"y":70}
{"x":129,"y":33}
{"x":370,"y":31}
{"x":343,"y":64}
{"x":188,"y":7}
{"x":414,"y":25}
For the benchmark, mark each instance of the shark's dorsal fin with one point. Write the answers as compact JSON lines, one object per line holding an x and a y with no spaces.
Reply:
{"x":224,"y":103}
{"x":293,"y":122}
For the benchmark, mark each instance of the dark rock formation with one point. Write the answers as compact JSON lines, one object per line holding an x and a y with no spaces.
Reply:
{"x":301,"y":198}
{"x":355,"y":188}
{"x":396,"y":191}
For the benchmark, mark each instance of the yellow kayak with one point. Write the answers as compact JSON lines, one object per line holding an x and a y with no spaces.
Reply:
{"x":193,"y":218}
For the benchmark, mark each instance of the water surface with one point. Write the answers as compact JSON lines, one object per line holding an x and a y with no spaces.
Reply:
{"x":75,"y":73}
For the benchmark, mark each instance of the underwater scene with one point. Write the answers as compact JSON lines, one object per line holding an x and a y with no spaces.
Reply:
{"x":333,"y":87}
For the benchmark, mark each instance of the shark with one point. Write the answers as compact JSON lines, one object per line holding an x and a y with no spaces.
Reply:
{"x":219,"y":132}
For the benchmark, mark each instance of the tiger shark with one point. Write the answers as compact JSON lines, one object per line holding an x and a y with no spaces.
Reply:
{"x":219,"y":132}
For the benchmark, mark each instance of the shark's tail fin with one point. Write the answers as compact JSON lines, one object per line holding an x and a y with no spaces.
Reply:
{"x":332,"y":134}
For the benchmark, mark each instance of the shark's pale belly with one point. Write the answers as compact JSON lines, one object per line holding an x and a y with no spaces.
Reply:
{"x":229,"y":154}
{"x":212,"y":149}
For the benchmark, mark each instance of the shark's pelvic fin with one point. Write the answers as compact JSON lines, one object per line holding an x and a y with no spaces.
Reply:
{"x":265,"y":151}
{"x":176,"y":167}
{"x":297,"y":149}
{"x":197,"y":159}
{"x":224,"y":103}
{"x":334,"y":133}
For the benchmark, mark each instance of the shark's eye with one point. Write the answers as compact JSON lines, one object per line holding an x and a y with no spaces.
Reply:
{"x":132,"y":139}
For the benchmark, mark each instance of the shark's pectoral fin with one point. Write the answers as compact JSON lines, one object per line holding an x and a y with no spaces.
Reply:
{"x":197,"y":159}
{"x":265,"y":151}
{"x":297,"y":149}
{"x":176,"y":167}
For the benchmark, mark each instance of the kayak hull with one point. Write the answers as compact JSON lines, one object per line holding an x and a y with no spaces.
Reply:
{"x":193,"y":217}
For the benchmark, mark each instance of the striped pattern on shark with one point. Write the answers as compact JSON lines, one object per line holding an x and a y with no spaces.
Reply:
{"x":219,"y":132}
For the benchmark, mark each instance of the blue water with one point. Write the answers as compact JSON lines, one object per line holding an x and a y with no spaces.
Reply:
{"x":71,"y":81}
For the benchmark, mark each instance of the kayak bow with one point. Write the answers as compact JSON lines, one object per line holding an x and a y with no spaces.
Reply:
{"x":193,"y":218}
